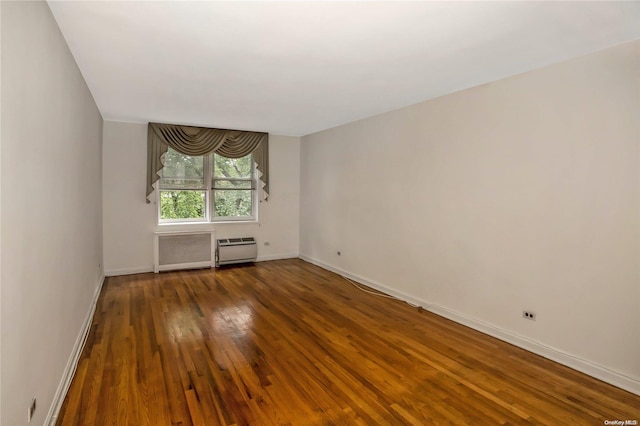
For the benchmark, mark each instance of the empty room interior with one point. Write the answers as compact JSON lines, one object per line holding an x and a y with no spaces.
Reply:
{"x":319,"y":213}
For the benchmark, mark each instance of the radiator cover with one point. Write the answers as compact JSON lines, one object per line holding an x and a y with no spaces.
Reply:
{"x":183,"y":250}
{"x":236,"y":250}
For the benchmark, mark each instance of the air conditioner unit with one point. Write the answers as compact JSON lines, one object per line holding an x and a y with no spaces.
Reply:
{"x":236,"y":250}
{"x":183,"y":250}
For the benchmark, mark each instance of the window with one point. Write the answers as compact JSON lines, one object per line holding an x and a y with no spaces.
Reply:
{"x":209,"y":188}
{"x":183,"y":189}
{"x":233,"y":187}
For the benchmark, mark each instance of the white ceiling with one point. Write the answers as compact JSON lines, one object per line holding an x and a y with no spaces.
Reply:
{"x":295,"y":68}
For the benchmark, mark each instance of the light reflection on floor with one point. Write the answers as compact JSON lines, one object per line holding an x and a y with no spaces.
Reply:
{"x":236,"y":320}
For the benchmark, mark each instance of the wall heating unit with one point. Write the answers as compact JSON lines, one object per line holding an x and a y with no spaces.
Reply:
{"x":236,"y":250}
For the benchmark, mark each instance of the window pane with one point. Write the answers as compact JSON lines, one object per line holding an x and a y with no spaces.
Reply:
{"x":182,"y":171}
{"x":233,"y":167}
{"x":232,"y":184}
{"x":232,"y":203}
{"x":182,"y":205}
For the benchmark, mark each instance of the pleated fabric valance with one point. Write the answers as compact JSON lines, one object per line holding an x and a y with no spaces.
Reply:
{"x":196,"y":141}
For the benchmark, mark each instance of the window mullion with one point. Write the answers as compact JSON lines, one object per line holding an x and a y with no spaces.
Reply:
{"x":209,"y":164}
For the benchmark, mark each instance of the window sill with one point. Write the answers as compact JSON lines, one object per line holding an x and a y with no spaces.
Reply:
{"x":226,"y":222}
{"x":199,"y":226}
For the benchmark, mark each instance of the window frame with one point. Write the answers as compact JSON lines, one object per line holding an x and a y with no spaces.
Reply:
{"x":209,"y":190}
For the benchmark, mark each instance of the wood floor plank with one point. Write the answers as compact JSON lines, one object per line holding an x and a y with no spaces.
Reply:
{"x":288,"y":343}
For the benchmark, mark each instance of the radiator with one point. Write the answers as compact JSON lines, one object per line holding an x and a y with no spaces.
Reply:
{"x":236,"y":250}
{"x":183,"y":250}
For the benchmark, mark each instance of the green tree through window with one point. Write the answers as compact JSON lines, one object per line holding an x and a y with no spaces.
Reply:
{"x":233,"y":186}
{"x":191,"y":187}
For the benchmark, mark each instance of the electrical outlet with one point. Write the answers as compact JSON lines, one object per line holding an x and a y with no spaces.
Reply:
{"x":530,"y":315}
{"x":32,"y":410}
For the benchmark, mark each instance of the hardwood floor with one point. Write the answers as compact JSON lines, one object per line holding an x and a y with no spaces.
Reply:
{"x":288,"y":343}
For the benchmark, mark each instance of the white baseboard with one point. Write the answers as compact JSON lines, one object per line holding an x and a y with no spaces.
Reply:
{"x":277,"y":257}
{"x":373,"y":284}
{"x":128,"y":271}
{"x":575,"y":362}
{"x":72,"y":363}
{"x":572,"y":361}
{"x":145,"y":269}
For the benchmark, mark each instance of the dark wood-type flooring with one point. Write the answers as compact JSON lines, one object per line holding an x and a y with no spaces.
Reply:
{"x":288,"y":343}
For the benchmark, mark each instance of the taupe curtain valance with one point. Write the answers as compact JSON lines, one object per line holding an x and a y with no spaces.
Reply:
{"x":197,"y":141}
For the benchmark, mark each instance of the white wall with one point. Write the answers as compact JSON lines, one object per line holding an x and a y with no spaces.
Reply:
{"x":129,"y":222}
{"x":0,"y":215}
{"x":523,"y":193}
{"x":51,"y":208}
